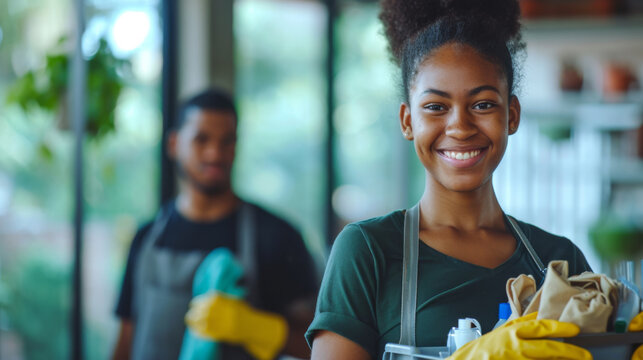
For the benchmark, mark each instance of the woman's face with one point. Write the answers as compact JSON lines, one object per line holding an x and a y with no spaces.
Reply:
{"x":459,"y":116}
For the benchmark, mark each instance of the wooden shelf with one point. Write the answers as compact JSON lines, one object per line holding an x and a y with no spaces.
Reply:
{"x":602,"y":37}
{"x":585,"y":112}
{"x":626,"y":171}
{"x":630,"y":27}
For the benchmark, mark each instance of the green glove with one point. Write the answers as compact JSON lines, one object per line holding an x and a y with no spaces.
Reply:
{"x":636,"y":324}
{"x":223,"y":318}
{"x":524,"y":338}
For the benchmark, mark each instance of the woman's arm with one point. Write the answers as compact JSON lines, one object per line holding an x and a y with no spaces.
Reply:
{"x":330,"y":346}
{"x":346,"y":303}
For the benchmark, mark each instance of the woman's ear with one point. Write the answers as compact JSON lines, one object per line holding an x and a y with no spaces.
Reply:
{"x":405,"y":121}
{"x":514,"y":114}
{"x":171,"y":144}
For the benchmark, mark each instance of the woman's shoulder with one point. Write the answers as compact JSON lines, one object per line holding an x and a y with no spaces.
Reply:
{"x":392,"y":222}
{"x":375,"y":235}
{"x":541,"y":236}
{"x":376,"y":229}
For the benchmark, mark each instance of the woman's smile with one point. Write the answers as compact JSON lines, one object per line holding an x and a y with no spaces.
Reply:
{"x":462,"y":158}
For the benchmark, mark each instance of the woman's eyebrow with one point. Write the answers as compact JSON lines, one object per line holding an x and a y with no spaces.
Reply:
{"x":472,"y":92}
{"x":437,"y":92}
{"x":482,"y":88}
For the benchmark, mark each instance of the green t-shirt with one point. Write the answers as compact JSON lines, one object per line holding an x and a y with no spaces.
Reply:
{"x":360,"y":294}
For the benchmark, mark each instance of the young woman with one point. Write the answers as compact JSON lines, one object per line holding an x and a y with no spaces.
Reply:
{"x":458,"y":71}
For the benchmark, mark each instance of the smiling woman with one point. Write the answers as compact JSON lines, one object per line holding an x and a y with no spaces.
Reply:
{"x":459,"y":114}
{"x":458,"y":61}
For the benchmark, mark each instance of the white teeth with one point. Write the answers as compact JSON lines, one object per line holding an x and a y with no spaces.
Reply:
{"x":462,"y":155}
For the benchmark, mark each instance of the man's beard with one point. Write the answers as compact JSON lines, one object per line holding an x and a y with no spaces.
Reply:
{"x":209,"y":190}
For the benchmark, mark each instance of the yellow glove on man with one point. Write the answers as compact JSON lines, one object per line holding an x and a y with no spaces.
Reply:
{"x":523,"y":338}
{"x":636,"y":324}
{"x":223,"y":318}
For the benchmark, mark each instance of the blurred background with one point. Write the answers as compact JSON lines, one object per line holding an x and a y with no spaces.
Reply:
{"x":319,"y":137}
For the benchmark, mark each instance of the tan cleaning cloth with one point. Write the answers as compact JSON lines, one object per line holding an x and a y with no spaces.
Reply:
{"x":586,"y":300}
{"x":590,"y":310}
{"x":599,"y":282}
{"x":520,"y":292}
{"x":556,"y":291}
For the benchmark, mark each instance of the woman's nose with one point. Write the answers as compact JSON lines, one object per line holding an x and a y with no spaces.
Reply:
{"x":460,"y":124}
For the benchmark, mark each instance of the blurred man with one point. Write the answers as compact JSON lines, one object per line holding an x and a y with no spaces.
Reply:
{"x":206,"y":215}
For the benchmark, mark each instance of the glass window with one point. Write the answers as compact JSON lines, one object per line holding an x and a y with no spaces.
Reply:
{"x":36,"y":154}
{"x":36,"y":205}
{"x":281,"y":96}
{"x":122,"y":168}
{"x":374,"y":161}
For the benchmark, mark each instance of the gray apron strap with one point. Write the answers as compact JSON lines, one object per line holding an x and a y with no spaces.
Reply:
{"x":530,"y":249}
{"x":410,"y":275}
{"x":247,"y":250}
{"x":144,"y":261}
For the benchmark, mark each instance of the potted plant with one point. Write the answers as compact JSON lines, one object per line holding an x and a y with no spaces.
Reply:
{"x":47,"y":87}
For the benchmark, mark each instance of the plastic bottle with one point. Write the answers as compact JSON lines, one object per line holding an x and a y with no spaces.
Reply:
{"x":504,"y":311}
{"x":629,"y":304}
{"x":465,"y":332}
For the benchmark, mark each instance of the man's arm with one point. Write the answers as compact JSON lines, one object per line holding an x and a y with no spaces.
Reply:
{"x":123,"y":347}
{"x":299,"y":279}
{"x":299,"y":315}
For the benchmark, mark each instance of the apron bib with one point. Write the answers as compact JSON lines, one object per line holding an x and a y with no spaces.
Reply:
{"x":406,"y":349}
{"x":163,"y":282}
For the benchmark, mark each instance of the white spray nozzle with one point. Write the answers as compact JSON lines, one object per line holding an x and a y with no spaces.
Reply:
{"x":464,"y":324}
{"x":465,"y":332}
{"x":468,"y":323}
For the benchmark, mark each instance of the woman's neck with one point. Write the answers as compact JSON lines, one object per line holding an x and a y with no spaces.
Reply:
{"x":198,"y":206}
{"x":465,"y":211}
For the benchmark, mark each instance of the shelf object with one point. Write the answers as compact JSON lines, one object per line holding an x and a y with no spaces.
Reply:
{"x":603,"y":37}
{"x":587,"y":113}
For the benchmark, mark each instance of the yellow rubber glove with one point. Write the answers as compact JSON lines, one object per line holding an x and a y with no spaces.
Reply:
{"x":223,"y":318}
{"x":636,"y":324}
{"x":524,"y":338}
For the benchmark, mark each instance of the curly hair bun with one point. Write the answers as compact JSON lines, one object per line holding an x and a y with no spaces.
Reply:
{"x":404,"y":19}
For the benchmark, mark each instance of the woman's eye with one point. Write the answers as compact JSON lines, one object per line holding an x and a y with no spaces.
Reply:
{"x":434,"y":107}
{"x":483,"y":106}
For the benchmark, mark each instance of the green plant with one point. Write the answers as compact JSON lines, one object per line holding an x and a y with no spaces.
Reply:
{"x":39,"y":305}
{"x":37,"y":302}
{"x":616,"y":239}
{"x":47,"y":87}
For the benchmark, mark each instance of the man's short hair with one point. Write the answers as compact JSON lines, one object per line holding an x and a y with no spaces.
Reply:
{"x":213,"y":99}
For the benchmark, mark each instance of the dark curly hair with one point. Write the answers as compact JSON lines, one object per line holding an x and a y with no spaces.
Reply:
{"x":414,"y":28}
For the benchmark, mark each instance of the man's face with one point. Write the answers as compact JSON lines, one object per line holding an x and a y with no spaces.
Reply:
{"x":204,"y":149}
